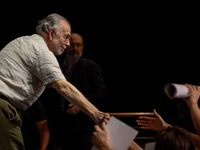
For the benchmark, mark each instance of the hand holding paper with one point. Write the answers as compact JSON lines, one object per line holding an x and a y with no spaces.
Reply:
{"x":121,"y":135}
{"x":101,"y":137}
{"x":194,"y":94}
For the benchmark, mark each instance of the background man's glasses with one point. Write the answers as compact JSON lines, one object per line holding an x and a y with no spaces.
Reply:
{"x":75,"y":44}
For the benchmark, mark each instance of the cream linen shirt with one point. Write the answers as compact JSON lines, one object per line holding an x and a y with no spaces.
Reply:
{"x":26,"y":66}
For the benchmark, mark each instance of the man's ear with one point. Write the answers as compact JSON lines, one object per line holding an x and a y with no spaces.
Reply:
{"x":51,"y":34}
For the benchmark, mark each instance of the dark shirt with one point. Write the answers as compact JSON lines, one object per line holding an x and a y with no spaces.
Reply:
{"x":33,"y":114}
{"x":87,"y":77}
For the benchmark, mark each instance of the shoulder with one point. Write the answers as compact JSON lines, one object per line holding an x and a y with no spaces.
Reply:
{"x":36,"y":42}
{"x":88,"y":62}
{"x":33,"y":44}
{"x":29,"y":40}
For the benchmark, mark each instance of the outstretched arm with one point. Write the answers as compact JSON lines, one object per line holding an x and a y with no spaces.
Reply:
{"x":157,"y":124}
{"x":72,"y":94}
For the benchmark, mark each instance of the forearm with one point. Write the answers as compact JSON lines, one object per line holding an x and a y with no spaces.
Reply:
{"x":44,"y":140}
{"x":43,"y":129}
{"x":195,"y":114}
{"x":71,"y":93}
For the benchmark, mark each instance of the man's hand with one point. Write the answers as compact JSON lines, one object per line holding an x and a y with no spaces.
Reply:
{"x":194,"y":95}
{"x":152,"y":123}
{"x":100,"y":117}
{"x":73,"y":110}
{"x":101,"y":137}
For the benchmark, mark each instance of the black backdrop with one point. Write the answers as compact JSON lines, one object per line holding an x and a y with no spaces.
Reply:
{"x":140,"y":45}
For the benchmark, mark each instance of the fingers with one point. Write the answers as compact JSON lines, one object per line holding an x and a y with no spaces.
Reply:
{"x":145,"y":128}
{"x":97,"y":128}
{"x":144,"y":117}
{"x":192,"y":87}
{"x":142,"y":121}
{"x":104,"y":118}
{"x":107,"y":116}
{"x":103,"y":126}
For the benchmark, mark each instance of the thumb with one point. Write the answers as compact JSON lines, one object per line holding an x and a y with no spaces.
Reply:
{"x":155,"y":113}
{"x":103,"y":126}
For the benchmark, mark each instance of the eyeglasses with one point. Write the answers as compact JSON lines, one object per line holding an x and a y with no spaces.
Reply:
{"x":75,"y":44}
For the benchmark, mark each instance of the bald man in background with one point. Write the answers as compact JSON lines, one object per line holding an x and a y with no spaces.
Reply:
{"x":86,"y":76}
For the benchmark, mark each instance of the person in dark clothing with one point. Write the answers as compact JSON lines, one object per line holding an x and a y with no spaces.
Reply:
{"x":34,"y":128}
{"x":85,"y":75}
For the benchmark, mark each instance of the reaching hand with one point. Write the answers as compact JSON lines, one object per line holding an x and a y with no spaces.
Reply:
{"x":73,"y":110}
{"x":99,"y":117}
{"x":152,"y":123}
{"x":101,"y":138}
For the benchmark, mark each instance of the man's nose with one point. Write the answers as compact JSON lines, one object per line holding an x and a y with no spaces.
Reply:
{"x":68,"y":43}
{"x":75,"y":47}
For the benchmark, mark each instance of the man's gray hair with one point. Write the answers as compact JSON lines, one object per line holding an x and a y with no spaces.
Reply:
{"x":49,"y":22}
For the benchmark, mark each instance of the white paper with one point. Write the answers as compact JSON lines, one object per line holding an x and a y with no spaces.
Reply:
{"x":150,"y":146}
{"x":121,"y":135}
{"x":173,"y":90}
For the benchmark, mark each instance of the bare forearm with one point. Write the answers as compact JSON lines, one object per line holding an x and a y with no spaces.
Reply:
{"x":44,"y":140}
{"x":195,"y":114}
{"x":43,"y":129}
{"x":72,"y":94}
{"x":75,"y":97}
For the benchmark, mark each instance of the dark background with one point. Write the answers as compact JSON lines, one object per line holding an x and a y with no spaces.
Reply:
{"x":140,"y":45}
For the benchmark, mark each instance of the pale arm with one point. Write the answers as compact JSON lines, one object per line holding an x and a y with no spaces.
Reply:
{"x":43,"y":129}
{"x":192,"y":103}
{"x":72,"y":94}
{"x":195,"y":113}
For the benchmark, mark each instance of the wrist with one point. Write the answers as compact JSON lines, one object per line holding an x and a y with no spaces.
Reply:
{"x":106,"y":146}
{"x":165,"y":125}
{"x":192,"y":104}
{"x":92,"y":110}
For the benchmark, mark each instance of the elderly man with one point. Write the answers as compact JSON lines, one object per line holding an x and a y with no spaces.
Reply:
{"x":27,"y":65}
